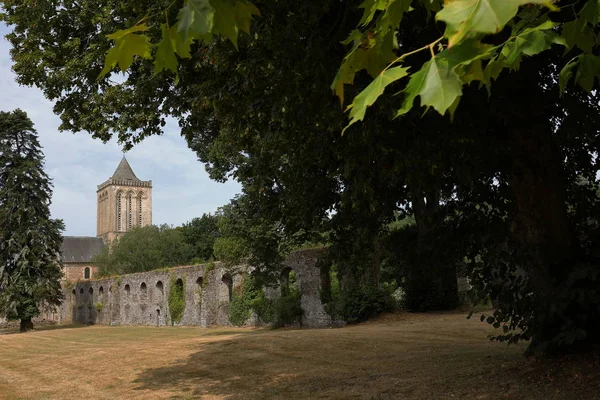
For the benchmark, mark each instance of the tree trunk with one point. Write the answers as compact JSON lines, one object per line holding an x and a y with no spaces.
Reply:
{"x":540,"y":223}
{"x":435,"y":279}
{"x":26,"y":325}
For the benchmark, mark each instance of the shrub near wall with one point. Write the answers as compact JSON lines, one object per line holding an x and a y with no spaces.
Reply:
{"x":251,"y":297}
{"x":176,"y":299}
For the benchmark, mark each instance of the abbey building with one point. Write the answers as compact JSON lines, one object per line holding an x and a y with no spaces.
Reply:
{"x":123,"y":202}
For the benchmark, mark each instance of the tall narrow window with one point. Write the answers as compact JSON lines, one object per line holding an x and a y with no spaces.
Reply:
{"x":129,"y":210}
{"x":86,"y":273}
{"x":119,"y":212}
{"x":139,"y":209}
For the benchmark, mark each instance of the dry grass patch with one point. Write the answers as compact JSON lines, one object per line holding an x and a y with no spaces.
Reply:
{"x":432,"y":356}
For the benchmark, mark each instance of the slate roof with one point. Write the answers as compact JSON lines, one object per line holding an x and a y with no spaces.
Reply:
{"x":80,"y":249}
{"x":124,"y":172}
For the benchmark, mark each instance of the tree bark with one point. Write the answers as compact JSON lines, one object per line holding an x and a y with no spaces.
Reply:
{"x":26,"y":325}
{"x":540,"y":224}
{"x":435,"y":277}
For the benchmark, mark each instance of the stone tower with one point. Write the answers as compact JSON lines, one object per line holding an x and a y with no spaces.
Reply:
{"x":124,"y":202}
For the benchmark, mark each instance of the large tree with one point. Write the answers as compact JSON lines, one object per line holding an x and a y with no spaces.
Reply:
{"x":30,"y":243}
{"x":144,"y":249}
{"x":501,"y":173}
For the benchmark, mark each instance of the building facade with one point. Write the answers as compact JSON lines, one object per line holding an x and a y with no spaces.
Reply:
{"x":123,"y":203}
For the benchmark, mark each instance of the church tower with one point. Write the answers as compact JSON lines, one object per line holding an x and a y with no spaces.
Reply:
{"x":124,"y":202}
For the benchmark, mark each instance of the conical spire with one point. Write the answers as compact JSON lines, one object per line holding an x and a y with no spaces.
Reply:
{"x":124,"y":172}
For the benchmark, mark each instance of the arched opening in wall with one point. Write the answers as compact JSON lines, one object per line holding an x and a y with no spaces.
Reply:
{"x":86,"y":273}
{"x":329,"y":284}
{"x":227,"y":281}
{"x":143,"y":292}
{"x":160,"y":291}
{"x":73,"y":295}
{"x":81,"y":291}
{"x":91,"y":292}
{"x":101,"y":291}
{"x":287,"y":282}
{"x":127,"y":290}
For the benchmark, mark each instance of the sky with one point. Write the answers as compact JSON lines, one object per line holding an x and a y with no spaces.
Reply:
{"x":77,"y":163}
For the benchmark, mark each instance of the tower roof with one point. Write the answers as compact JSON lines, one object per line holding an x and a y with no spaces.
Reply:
{"x":124,"y":172}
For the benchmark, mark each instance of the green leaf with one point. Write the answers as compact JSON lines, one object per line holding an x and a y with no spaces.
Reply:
{"x":165,"y":58}
{"x":577,"y":33}
{"x":127,"y":46}
{"x":467,"y":17}
{"x":225,"y":21}
{"x":530,"y":42}
{"x":588,"y":71}
{"x":353,"y":62}
{"x":370,"y":94}
{"x":436,"y":83}
{"x":566,"y":73}
{"x":392,"y":16}
{"x":195,"y":18}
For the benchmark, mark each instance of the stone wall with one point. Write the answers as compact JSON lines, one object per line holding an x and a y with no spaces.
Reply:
{"x":142,"y":298}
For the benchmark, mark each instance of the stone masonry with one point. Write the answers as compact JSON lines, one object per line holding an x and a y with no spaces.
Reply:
{"x":141,"y":299}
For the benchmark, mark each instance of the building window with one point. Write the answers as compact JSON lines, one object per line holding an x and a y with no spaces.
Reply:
{"x":139,"y":209}
{"x":129,"y":210}
{"x":119,"y":214}
{"x":86,"y":273}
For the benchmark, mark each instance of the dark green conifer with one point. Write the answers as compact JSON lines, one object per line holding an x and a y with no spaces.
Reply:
{"x":30,"y":240}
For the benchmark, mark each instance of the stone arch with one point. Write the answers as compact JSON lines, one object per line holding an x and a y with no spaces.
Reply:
{"x":143,"y":292}
{"x":288,"y":281}
{"x":127,"y":290}
{"x":101,"y":291}
{"x":228,"y":282}
{"x":160,"y":289}
{"x":81,"y":291}
{"x":73,"y":295}
{"x":86,"y":273}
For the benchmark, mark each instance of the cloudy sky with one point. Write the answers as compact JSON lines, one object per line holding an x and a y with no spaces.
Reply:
{"x":77,"y":163}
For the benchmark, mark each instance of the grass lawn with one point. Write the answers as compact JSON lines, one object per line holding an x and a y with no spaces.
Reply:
{"x":400,"y":356}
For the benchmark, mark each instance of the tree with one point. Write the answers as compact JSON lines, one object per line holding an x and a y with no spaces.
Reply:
{"x":144,"y":249}
{"x":499,"y":175}
{"x":30,"y":244}
{"x":200,"y":234}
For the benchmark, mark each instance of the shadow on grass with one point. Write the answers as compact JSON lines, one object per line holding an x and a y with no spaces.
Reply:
{"x":308,"y":365}
{"x":12,"y":331}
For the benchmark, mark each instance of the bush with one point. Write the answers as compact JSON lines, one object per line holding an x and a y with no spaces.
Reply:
{"x":283,"y":311}
{"x":238,"y":310}
{"x":176,"y":299}
{"x":99,"y":306}
{"x":363,"y":302}
{"x":287,"y":310}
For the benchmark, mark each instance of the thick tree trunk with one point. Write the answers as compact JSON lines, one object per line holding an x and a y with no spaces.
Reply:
{"x":26,"y":325}
{"x":540,"y":223}
{"x":434,"y":278}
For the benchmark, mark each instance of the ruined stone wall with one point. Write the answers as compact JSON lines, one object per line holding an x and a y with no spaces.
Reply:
{"x":142,"y":298}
